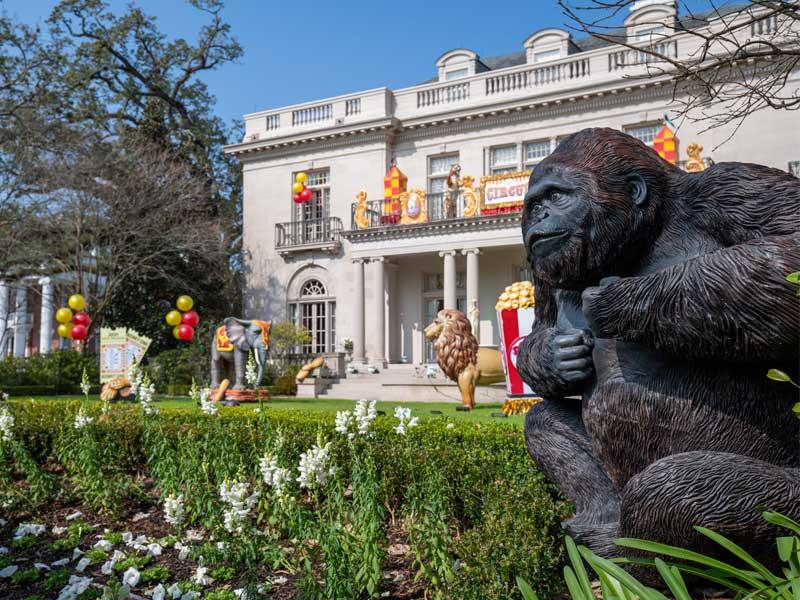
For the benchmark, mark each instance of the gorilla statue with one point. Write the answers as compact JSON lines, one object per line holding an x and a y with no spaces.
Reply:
{"x":661,"y":302}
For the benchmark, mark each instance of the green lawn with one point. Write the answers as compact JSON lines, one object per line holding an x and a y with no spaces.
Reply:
{"x":423,"y":410}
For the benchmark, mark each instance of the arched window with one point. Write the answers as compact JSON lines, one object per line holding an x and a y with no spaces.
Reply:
{"x":315,"y":311}
{"x":313,"y":287}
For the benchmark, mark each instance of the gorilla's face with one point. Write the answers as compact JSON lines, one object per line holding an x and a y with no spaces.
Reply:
{"x":575,"y":226}
{"x":556,"y":219}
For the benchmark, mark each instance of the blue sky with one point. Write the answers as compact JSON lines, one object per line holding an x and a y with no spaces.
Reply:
{"x":301,"y":51}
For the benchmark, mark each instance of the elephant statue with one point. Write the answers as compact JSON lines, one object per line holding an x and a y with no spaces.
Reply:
{"x":232,"y":344}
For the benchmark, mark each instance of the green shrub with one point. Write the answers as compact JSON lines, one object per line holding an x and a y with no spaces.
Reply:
{"x":472,"y":491}
{"x":179,"y":366}
{"x":178,"y":389}
{"x":286,"y":385}
{"x":60,"y":368}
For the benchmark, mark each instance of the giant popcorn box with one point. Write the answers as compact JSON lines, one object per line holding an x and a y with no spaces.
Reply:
{"x":515,"y":315}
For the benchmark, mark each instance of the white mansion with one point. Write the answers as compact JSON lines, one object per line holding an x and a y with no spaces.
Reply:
{"x":344,"y":272}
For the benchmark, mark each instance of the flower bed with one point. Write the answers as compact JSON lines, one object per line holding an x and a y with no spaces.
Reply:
{"x":294,"y":504}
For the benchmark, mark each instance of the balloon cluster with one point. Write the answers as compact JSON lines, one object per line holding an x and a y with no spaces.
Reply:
{"x":299,"y":189}
{"x":183,"y":320}
{"x":73,"y":325}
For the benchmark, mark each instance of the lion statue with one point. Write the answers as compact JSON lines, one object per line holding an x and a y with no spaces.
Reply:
{"x":459,"y":356}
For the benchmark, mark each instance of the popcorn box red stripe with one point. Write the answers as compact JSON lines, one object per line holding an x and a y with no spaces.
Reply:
{"x":515,"y":325}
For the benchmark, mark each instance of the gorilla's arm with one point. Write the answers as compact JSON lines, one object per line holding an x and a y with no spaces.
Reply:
{"x":732,"y":304}
{"x":554,"y":362}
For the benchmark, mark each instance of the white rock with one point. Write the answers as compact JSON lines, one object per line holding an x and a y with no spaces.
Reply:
{"x":104,"y":545}
{"x":3,"y":550}
{"x":158,"y":592}
{"x":140,"y":516}
{"x":24,"y":529}
{"x":3,"y":522}
{"x":75,"y":515}
{"x":82,"y":564}
{"x":130,"y":577}
{"x":278,"y":580}
{"x":57,"y":530}
{"x":60,"y":562}
{"x":77,"y":552}
{"x":9,"y":571}
{"x":75,"y":587}
{"x":174,"y":591}
{"x":40,"y":566}
{"x":154,"y":549}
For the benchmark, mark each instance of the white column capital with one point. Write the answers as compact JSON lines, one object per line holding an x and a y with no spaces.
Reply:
{"x":378,"y":259}
{"x":359,"y":260}
{"x":444,"y":253}
{"x":467,"y":251}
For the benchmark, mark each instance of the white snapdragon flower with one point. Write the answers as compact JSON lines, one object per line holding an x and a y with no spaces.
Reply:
{"x":365,"y":414}
{"x":173,"y":510}
{"x":251,"y":370}
{"x":85,"y":385}
{"x":24,"y":529}
{"x":450,"y":426}
{"x":344,"y":420}
{"x":6,"y":424}
{"x":143,"y":389}
{"x":234,"y":494}
{"x":406,"y":421}
{"x":183,"y":550}
{"x":82,"y":419}
{"x":131,"y":577}
{"x":206,"y":405}
{"x":314,"y":467}
{"x":76,"y":586}
{"x":274,"y":476}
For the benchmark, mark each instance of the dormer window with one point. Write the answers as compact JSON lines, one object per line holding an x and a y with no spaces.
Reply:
{"x":456,"y":74}
{"x":651,"y":21}
{"x":548,"y":44}
{"x":459,"y":63}
{"x":651,"y":34}
{"x":545,"y":55}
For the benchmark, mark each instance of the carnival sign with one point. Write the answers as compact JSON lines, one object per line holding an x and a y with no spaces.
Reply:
{"x":119,"y":348}
{"x":503,"y":193}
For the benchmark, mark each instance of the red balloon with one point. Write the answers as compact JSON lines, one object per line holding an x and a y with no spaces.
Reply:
{"x":81,"y":318}
{"x":297,"y":199}
{"x":78,"y":332}
{"x":305,"y":195}
{"x":190,"y":318}
{"x":185,"y":332}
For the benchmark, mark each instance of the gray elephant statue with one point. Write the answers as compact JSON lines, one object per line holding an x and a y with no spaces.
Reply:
{"x":231,"y":346}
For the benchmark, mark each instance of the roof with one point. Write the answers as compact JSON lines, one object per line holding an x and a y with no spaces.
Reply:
{"x":685,"y":23}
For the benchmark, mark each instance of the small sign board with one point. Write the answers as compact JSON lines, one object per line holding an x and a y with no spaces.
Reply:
{"x":119,"y":349}
{"x":504,"y":193}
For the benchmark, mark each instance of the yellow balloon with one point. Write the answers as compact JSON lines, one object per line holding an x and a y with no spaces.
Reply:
{"x":76,"y":302}
{"x":175,"y":332}
{"x":173,"y":318}
{"x":301,"y":178}
{"x":184,"y":303}
{"x":63,"y":315}
{"x":64,"y":329}
{"x":297,"y":187}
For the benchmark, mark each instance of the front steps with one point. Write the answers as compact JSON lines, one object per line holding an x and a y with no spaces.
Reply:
{"x":406,"y":383}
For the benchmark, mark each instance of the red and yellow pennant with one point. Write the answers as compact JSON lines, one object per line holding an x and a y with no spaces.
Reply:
{"x":394,"y":183}
{"x":666,"y":144}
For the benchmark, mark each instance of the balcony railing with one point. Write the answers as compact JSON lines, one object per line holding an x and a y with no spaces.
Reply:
{"x":307,"y":234}
{"x":434,"y":206}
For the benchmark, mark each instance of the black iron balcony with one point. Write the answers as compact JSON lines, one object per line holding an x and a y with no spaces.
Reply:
{"x":434,"y":210}
{"x":310,"y":234}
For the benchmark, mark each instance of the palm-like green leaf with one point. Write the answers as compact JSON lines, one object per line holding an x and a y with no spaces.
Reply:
{"x":740,"y":553}
{"x":673,"y":580}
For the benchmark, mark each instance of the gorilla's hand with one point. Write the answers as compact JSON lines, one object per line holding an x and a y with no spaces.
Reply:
{"x":591,"y":304}
{"x":572,"y":356}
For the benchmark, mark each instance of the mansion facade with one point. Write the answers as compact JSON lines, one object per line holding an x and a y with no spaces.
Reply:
{"x":337,"y":266}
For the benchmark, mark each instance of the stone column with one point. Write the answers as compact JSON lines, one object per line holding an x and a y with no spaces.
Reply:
{"x":449,"y":278}
{"x":358,"y":328}
{"x":3,"y":317}
{"x":472,"y":274}
{"x":21,"y":320}
{"x":46,"y":317}
{"x":380,"y":311}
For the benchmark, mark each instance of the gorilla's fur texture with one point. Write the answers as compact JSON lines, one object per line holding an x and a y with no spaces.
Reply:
{"x":676,"y":303}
